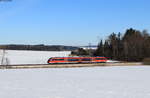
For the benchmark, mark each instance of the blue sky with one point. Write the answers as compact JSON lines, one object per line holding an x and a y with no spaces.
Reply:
{"x":69,"y":22}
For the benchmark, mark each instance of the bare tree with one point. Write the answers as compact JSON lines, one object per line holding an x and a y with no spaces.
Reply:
{"x":3,"y":55}
{"x":4,"y":60}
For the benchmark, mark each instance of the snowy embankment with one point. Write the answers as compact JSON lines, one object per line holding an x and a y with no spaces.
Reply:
{"x":29,"y":57}
{"x":95,"y":82}
{"x":112,"y":61}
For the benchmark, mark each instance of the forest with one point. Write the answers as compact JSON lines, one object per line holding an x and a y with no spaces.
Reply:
{"x":40,"y":47}
{"x":133,"y":45}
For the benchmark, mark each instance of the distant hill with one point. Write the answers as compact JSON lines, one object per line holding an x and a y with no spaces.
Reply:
{"x":40,"y":47}
{"x":94,"y":47}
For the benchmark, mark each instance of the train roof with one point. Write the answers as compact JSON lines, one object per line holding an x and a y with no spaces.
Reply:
{"x":78,"y":56}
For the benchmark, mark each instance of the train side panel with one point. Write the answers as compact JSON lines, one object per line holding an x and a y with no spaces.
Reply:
{"x":55,"y":60}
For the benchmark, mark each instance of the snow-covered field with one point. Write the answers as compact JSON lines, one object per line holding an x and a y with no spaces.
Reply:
{"x":94,"y":82}
{"x":30,"y":57}
{"x":11,"y":57}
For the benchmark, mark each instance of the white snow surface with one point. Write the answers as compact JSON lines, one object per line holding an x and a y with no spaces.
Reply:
{"x":31,"y":57}
{"x":94,"y":82}
{"x":112,"y":61}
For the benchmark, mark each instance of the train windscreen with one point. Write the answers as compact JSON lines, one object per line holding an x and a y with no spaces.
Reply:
{"x":57,"y":59}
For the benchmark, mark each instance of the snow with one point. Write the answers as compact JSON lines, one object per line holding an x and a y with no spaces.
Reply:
{"x":112,"y":61}
{"x":94,"y":82}
{"x":30,"y":57}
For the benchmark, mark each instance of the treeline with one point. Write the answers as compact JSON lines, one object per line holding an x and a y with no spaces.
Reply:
{"x":133,"y":45}
{"x":38,"y":47}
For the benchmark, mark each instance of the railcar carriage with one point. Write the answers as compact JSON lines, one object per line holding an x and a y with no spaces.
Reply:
{"x":66,"y":60}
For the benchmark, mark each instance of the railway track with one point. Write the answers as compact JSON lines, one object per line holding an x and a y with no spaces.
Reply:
{"x":23,"y":66}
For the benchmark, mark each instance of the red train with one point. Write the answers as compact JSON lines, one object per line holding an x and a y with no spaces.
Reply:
{"x":55,"y":60}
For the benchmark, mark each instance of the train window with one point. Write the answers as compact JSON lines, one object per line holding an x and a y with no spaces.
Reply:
{"x":58,"y":59}
{"x":73,"y":59}
{"x":86,"y":59}
{"x":100,"y":59}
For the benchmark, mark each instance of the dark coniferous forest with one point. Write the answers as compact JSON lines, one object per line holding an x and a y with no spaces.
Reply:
{"x":133,"y":45}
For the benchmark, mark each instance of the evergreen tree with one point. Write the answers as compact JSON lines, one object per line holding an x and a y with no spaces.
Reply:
{"x":134,"y":45}
{"x":100,"y":49}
